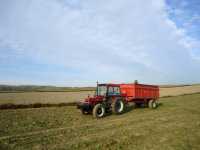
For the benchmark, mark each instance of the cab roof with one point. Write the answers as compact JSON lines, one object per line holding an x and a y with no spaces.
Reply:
{"x":109,"y":84}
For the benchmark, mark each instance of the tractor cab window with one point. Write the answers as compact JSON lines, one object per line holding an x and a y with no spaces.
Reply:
{"x":101,"y":90}
{"x":113,"y":90}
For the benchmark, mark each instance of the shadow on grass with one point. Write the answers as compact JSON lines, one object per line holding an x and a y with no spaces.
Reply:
{"x":140,"y":106}
{"x":132,"y":107}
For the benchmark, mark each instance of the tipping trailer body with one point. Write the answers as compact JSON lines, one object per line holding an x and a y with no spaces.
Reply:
{"x":139,"y":92}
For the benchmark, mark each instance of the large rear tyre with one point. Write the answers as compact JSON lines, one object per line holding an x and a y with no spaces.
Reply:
{"x":118,"y":106}
{"x":152,"y":104}
{"x":98,"y":111}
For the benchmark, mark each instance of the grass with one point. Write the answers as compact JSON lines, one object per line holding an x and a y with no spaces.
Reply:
{"x":175,"y":125}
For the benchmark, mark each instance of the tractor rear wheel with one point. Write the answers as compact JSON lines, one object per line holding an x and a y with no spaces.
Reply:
{"x":118,"y":106}
{"x":98,"y":111}
{"x":152,"y":104}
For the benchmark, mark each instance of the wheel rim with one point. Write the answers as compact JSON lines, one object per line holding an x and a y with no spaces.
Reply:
{"x":154,"y":105}
{"x":100,"y":111}
{"x":119,"y":106}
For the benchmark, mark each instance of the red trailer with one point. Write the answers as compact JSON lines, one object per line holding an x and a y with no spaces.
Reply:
{"x":139,"y":92}
{"x":114,"y":97}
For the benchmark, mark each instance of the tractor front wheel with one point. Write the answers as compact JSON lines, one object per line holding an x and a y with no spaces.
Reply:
{"x":84,"y":112}
{"x":98,"y":111}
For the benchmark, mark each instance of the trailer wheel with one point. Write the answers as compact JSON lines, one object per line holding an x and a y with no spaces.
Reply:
{"x":98,"y":111}
{"x":152,"y":104}
{"x":118,"y":106}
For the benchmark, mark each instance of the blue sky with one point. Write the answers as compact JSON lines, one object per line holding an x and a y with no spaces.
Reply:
{"x":76,"y":42}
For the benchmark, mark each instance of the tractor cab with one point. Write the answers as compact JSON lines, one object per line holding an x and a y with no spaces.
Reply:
{"x":107,"y":90}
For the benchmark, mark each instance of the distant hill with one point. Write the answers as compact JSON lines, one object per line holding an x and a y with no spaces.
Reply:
{"x":34,"y":88}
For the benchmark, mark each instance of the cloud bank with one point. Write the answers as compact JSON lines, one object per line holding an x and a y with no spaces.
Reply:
{"x":74,"y":42}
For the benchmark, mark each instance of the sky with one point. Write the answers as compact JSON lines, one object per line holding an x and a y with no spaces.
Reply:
{"x":79,"y":42}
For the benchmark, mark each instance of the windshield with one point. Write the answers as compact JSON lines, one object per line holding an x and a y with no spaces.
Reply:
{"x":113,"y":90}
{"x":101,"y":90}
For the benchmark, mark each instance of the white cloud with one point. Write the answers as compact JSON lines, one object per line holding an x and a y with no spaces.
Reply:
{"x":104,"y":40}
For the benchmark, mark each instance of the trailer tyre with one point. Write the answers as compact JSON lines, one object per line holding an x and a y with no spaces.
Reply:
{"x":152,"y":104}
{"x":98,"y":111}
{"x":118,"y":106}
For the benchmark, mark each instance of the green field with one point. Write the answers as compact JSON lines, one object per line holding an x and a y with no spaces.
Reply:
{"x":174,"y":125}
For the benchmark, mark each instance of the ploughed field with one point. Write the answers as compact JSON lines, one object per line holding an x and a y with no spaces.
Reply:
{"x":66,"y":97}
{"x":174,"y":125}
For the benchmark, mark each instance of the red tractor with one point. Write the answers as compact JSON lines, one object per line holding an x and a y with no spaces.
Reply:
{"x":114,"y":97}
